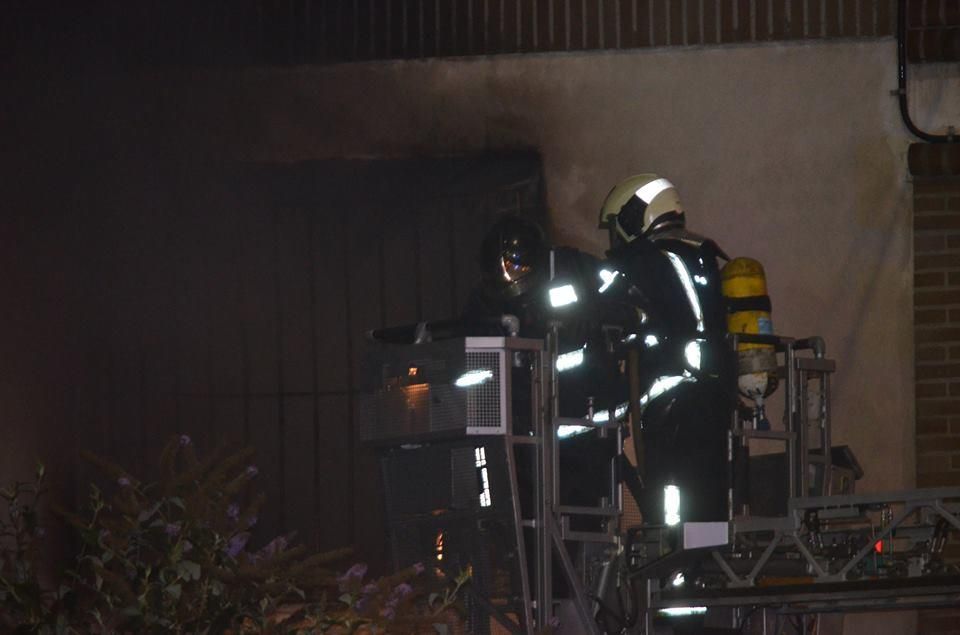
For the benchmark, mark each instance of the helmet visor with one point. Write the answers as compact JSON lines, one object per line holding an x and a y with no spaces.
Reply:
{"x":515,"y":264}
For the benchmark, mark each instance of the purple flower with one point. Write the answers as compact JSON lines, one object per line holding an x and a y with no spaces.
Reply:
{"x":370,"y":589}
{"x":236,"y":544}
{"x":187,"y":546}
{"x":252,"y":521}
{"x":123,"y":481}
{"x":388,"y":612}
{"x":251,"y":471}
{"x":233,"y":512}
{"x":360,"y":604}
{"x":172,"y":529}
{"x":184,"y":440}
{"x":356,"y":571}
{"x":418,"y":568}
{"x":274,"y":547}
{"x":402,"y":590}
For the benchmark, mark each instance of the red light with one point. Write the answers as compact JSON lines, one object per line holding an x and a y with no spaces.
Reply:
{"x":878,"y":546}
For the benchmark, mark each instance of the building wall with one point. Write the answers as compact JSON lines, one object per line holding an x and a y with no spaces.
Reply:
{"x":790,"y":153}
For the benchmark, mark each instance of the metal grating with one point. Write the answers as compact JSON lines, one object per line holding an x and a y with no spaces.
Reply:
{"x":484,"y":400}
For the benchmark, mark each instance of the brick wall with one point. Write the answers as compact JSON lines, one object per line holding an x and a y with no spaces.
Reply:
{"x":933,"y":30}
{"x":247,"y":32}
{"x":936,"y":204}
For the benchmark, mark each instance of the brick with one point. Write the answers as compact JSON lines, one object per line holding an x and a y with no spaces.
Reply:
{"x":953,"y":352}
{"x":930,"y":316}
{"x":643,"y":22}
{"x":953,"y":315}
{"x":936,"y":222}
{"x":780,"y":19}
{"x":936,"y":297}
{"x":953,"y":203}
{"x":938,"y":371}
{"x":931,"y":390}
{"x":929,"y":203}
{"x":764,"y":16}
{"x":886,"y":17}
{"x":611,"y":10}
{"x":935,"y":463}
{"x":814,"y":18}
{"x":923,"y":243}
{"x":833,"y":18}
{"x":954,"y":389}
{"x":930,"y":279}
{"x":677,"y":30}
{"x":936,"y":261}
{"x":935,"y":407}
{"x":948,"y":443}
{"x":931,"y":186}
{"x":659,"y":21}
{"x":711,"y":22}
{"x":692,"y":10}
{"x":796,"y":27}
{"x":932,"y":426}
{"x":849,"y":18}
{"x":931,"y":353}
{"x":953,"y":241}
{"x":938,"y":479}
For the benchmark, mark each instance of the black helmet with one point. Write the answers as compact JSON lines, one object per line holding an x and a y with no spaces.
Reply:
{"x":513,"y":255}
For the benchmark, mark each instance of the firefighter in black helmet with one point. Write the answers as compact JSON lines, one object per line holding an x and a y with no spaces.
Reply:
{"x":545,"y":286}
{"x":687,"y":377}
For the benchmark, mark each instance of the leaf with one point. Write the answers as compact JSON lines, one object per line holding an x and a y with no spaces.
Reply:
{"x":176,"y":500}
{"x":173,"y":591}
{"x":189,"y":570}
{"x":147,"y":513}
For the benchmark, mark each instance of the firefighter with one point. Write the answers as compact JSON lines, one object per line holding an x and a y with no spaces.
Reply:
{"x":547,"y":287}
{"x":686,"y":381}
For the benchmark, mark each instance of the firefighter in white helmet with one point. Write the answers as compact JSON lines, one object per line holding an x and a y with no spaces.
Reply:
{"x":686,"y":378}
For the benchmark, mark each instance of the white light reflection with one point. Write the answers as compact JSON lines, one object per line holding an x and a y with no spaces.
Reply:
{"x":480,"y":455}
{"x":662,"y":384}
{"x":650,"y":191}
{"x":693,"y":354}
{"x":565,"y":431}
{"x":473,"y":378}
{"x":562,"y":296}
{"x":608,"y":278}
{"x":651,"y":341}
{"x":569,"y":360}
{"x":683,"y":611}
{"x":604,"y":415}
{"x":687,"y":283}
{"x":671,"y":505}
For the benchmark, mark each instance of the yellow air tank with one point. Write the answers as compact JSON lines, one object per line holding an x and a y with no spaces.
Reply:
{"x":744,"y":286}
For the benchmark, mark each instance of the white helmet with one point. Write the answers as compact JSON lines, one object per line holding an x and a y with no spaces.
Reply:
{"x":640,"y":205}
